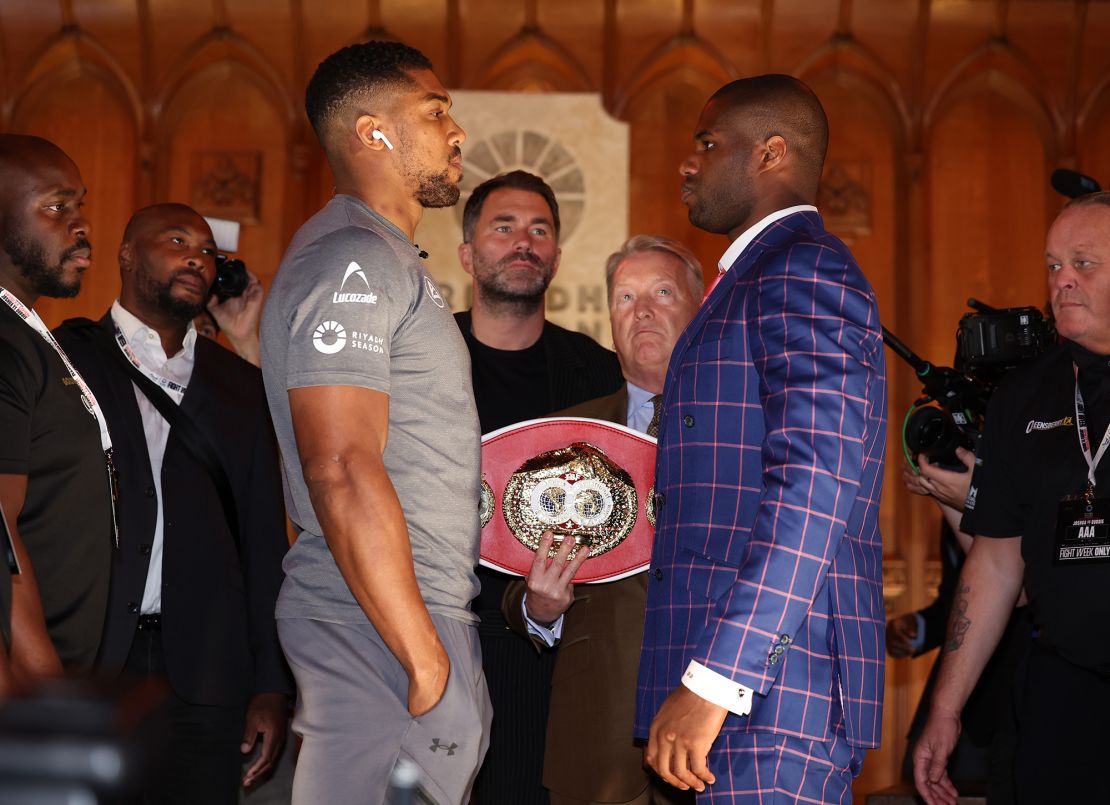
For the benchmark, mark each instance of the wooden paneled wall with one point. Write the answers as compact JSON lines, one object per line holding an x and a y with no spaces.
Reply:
{"x":947,"y":118}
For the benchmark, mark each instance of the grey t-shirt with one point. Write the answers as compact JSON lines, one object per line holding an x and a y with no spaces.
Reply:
{"x":353,"y":306}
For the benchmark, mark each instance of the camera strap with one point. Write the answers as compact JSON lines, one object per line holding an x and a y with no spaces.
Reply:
{"x":1085,"y":437}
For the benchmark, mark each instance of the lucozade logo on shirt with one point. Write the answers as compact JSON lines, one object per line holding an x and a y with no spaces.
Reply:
{"x":354,"y":270}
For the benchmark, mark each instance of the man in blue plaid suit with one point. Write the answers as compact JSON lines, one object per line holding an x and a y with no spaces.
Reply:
{"x":761,"y":673}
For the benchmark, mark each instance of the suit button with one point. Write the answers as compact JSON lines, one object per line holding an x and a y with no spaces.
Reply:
{"x":150,"y":491}
{"x":688,"y":421}
{"x":144,"y":550}
{"x":660,"y":500}
{"x":132,"y":607}
{"x":658,"y":574}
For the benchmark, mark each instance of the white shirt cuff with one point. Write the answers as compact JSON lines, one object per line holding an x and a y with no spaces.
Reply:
{"x":548,"y":634}
{"x":718,"y":689}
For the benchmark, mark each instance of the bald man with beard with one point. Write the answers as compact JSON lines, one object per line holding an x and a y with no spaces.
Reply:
{"x":196,"y":576}
{"x":54,"y":442}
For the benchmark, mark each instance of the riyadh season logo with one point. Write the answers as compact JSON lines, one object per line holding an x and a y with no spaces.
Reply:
{"x":329,"y":337}
{"x":367,"y":298}
{"x":433,"y":292}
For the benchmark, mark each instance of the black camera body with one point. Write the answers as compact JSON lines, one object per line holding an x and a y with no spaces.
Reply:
{"x":953,"y":405}
{"x":231,"y":277}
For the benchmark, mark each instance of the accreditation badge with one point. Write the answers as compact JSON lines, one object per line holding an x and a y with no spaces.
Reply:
{"x":1082,"y":530}
{"x":581,"y":479}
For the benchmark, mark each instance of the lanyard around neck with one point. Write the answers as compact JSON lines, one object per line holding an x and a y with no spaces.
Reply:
{"x":154,"y":377}
{"x":1085,"y":437}
{"x":87,"y":397}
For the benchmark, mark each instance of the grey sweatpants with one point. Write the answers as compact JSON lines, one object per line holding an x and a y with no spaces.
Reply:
{"x":352,"y":714}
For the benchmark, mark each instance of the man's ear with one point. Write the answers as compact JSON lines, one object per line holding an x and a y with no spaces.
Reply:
{"x":365,"y":127}
{"x":466,"y":258}
{"x":772,"y":152}
{"x":126,"y":256}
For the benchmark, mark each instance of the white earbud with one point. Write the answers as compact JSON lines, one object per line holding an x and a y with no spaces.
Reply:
{"x":377,"y":135}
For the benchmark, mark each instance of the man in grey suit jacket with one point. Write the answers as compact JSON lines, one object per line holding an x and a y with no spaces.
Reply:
{"x":654,"y":285}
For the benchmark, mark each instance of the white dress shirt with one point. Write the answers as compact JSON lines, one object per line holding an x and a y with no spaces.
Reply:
{"x":147,"y":346}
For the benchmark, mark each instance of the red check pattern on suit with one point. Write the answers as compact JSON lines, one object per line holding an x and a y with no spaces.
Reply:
{"x":767,"y":560}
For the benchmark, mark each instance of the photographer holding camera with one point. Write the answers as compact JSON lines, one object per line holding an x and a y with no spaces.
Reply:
{"x":1039,"y":508}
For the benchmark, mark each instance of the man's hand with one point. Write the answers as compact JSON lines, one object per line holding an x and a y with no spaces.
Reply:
{"x":947,"y":486}
{"x":427,"y":683}
{"x":550,"y":587}
{"x":238,"y":317}
{"x":681,"y":735}
{"x":930,"y":759}
{"x":267,"y":715}
{"x":900,"y":634}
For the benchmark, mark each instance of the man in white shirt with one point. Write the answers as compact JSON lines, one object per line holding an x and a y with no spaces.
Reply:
{"x":196,"y":576}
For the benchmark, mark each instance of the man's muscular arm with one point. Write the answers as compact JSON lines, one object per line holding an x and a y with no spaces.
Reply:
{"x":33,"y":654}
{"x":341,"y":434}
{"x":988,"y":588}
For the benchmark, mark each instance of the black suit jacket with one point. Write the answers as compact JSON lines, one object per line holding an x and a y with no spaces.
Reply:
{"x":218,"y":627}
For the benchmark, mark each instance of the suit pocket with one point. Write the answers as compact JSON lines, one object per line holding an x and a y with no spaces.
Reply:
{"x":705,"y":577}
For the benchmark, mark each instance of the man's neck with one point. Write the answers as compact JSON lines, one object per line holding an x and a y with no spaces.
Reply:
{"x":383,"y":195}
{"x":171,"y":331}
{"x":501,"y":329}
{"x":648,"y":380}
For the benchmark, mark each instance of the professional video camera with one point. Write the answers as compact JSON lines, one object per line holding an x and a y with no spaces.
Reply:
{"x":231,"y":273}
{"x":950,"y":412}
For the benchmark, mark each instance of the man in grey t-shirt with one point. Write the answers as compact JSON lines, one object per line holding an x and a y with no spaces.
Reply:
{"x":368,"y":381}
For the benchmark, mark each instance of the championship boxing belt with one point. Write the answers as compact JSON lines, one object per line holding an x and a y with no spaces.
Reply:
{"x":581,"y":479}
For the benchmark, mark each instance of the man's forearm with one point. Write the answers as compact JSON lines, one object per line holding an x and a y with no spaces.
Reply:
{"x":985,"y":595}
{"x":365,"y":529}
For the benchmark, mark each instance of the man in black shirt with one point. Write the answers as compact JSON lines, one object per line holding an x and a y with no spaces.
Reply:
{"x":54,"y":482}
{"x":523,"y":367}
{"x":1039,"y":506}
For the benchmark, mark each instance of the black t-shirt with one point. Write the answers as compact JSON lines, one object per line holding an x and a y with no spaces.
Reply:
{"x":47,"y":434}
{"x":510,"y":386}
{"x":1031,"y":460}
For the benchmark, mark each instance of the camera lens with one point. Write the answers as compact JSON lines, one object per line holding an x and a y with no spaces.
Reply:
{"x":932,"y":431}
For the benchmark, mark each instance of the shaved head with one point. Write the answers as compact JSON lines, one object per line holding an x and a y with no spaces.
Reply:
{"x":167,"y":264}
{"x":156,"y":216}
{"x":43,"y":232}
{"x":769,"y":105}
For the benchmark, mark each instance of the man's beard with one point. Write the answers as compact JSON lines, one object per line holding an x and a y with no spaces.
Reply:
{"x":46,"y":280}
{"x":433,"y":190}
{"x":160,"y":296}
{"x":436,"y":190}
{"x":496,"y":291}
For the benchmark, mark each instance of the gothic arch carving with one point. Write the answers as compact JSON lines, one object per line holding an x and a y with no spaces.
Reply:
{"x":223,"y":47}
{"x":683,"y":56}
{"x":531,"y":61}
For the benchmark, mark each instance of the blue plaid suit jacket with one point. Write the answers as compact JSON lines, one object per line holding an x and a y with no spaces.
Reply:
{"x":767,"y":561}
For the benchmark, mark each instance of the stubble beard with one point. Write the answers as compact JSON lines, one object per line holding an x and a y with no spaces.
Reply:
{"x":30,"y":258}
{"x":517,"y":301}
{"x":159,"y":296}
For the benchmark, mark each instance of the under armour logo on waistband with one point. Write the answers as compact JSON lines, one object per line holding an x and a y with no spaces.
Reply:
{"x":437,"y":745}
